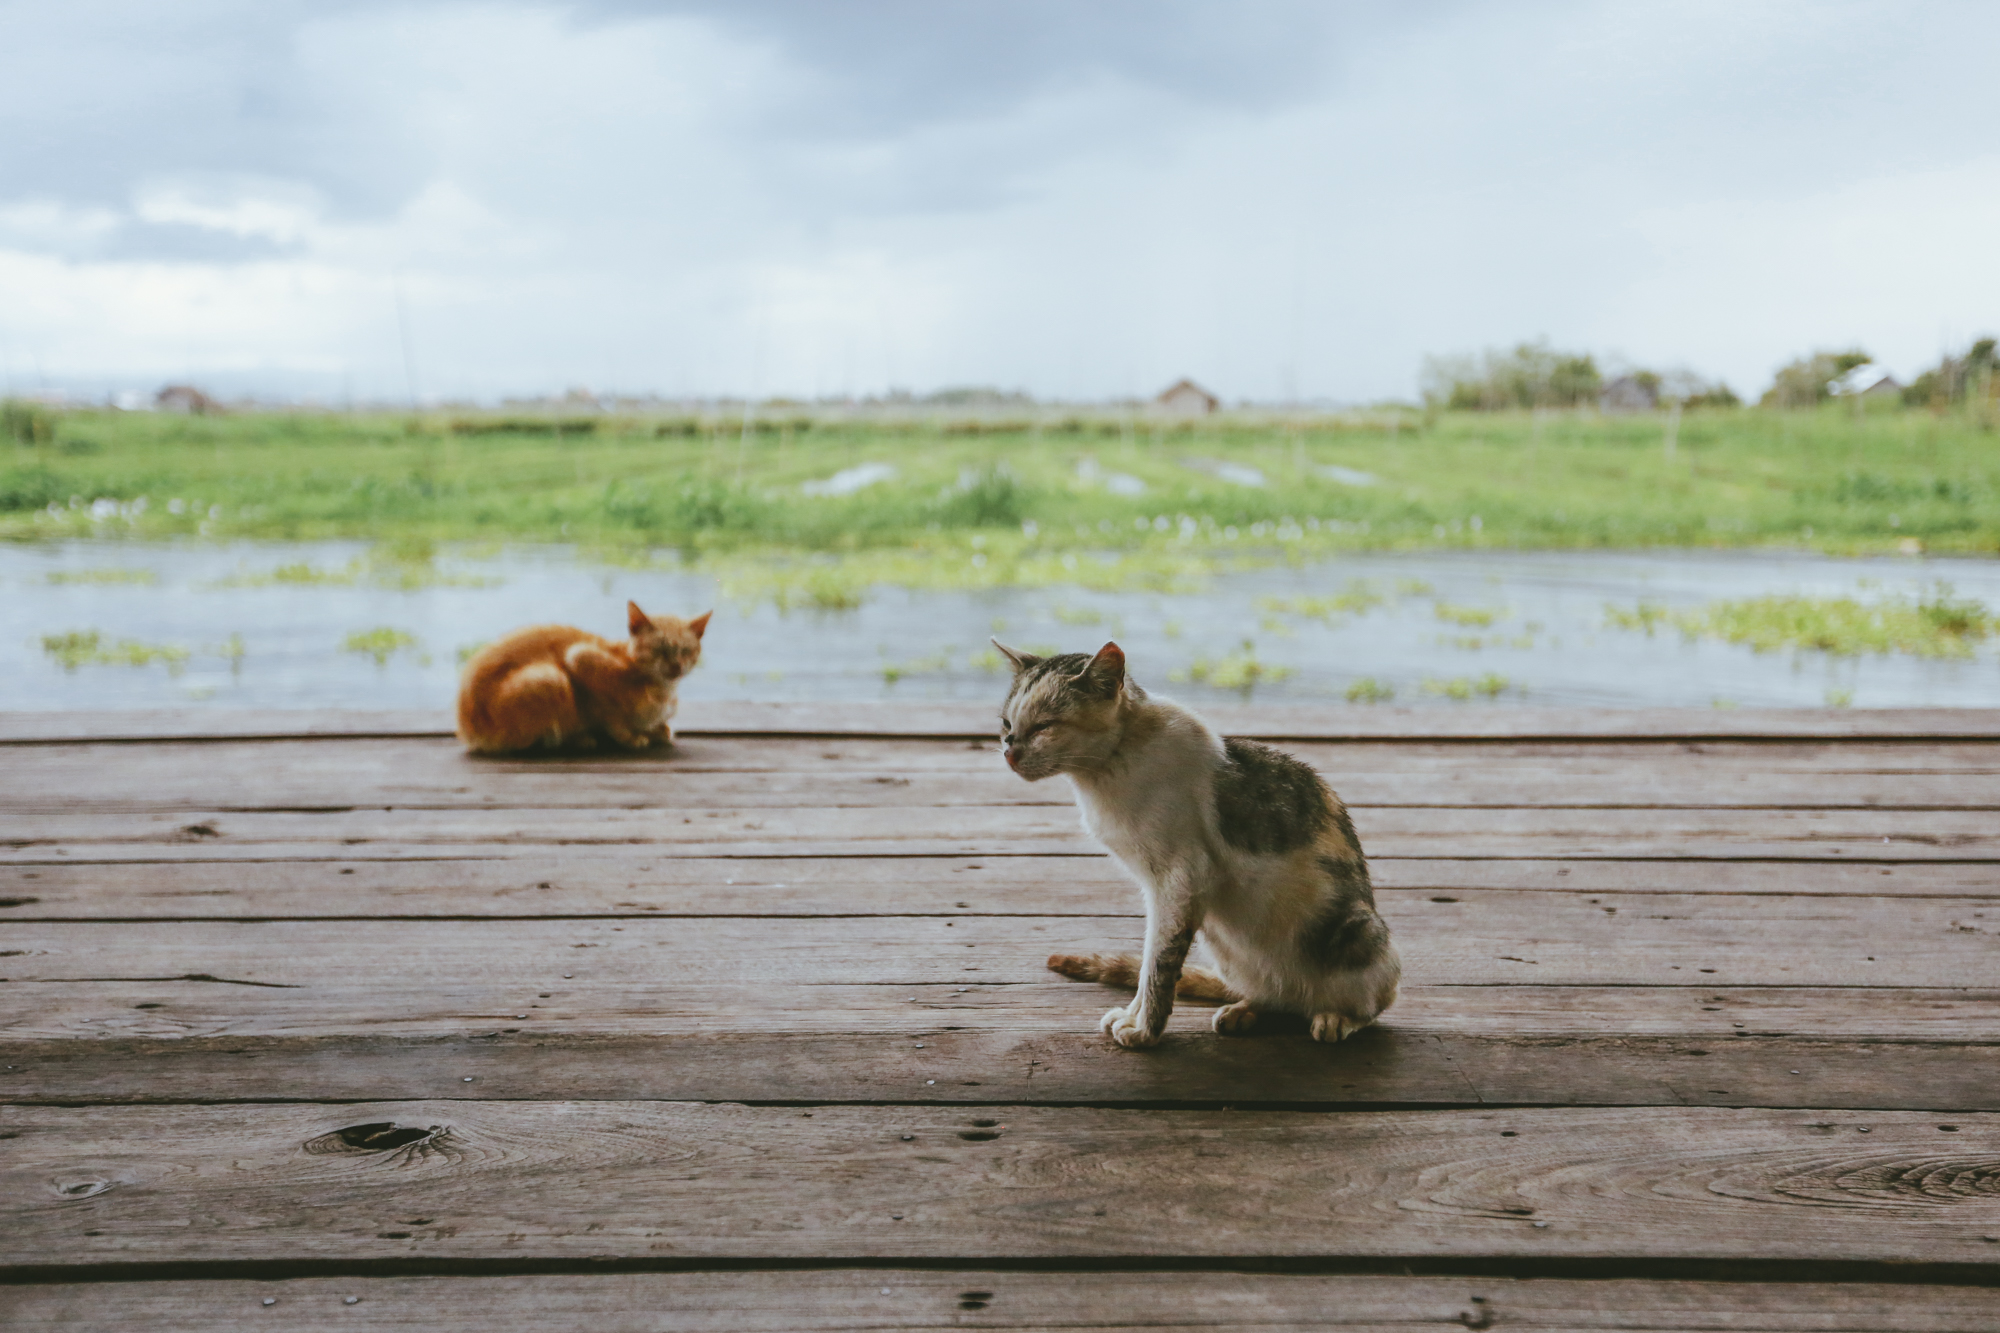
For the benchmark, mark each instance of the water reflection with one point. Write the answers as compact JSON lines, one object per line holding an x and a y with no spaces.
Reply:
{"x":327,"y":624}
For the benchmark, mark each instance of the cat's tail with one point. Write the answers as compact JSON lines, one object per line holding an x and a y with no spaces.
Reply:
{"x":1122,"y":969}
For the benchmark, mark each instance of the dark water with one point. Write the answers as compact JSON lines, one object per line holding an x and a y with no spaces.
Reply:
{"x":1548,"y":640}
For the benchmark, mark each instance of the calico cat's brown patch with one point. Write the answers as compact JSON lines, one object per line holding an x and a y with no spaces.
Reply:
{"x":1267,"y":802}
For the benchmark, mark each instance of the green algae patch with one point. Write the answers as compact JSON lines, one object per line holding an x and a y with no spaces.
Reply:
{"x":1470,"y":617}
{"x":102,"y":577}
{"x":1935,"y":624}
{"x":381,"y":643}
{"x":1241,"y":670}
{"x":1369,"y":690}
{"x":810,"y":581}
{"x":392,"y":565}
{"x":1463,"y":688}
{"x":80,"y":648}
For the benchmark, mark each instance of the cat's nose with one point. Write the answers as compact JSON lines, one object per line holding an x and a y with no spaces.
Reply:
{"x":1013,"y":758}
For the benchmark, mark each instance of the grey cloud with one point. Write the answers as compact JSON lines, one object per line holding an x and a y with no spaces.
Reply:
{"x":120,"y":92}
{"x":946,"y":181}
{"x":901,"y":63}
{"x":184,"y":243}
{"x":123,"y":91}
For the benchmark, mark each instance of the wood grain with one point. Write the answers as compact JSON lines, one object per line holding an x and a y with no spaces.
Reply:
{"x":617,"y":882}
{"x":845,"y":1300}
{"x":705,"y":772}
{"x":1871,"y":835}
{"x":191,"y":1006}
{"x":1494,"y":938}
{"x":1047,"y":1050}
{"x":575,"y":1180}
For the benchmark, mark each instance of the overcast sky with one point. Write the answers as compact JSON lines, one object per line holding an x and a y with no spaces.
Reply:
{"x":1081,"y":198}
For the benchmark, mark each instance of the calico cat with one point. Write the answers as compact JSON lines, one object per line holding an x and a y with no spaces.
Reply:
{"x":1227,"y":837}
{"x":552,"y":685}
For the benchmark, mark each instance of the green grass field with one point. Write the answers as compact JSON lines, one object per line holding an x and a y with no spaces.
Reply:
{"x":1006,"y":503}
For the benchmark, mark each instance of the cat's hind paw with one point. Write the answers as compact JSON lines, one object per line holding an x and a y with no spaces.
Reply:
{"x":1123,"y":1027}
{"x":1234,"y":1019}
{"x":1337,"y":1027}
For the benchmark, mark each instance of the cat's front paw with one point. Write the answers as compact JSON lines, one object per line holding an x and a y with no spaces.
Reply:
{"x":1124,"y":1027}
{"x":1233,"y":1019}
{"x":1336,"y":1027}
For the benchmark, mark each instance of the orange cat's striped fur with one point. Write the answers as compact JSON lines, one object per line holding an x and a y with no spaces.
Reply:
{"x":553,"y":685}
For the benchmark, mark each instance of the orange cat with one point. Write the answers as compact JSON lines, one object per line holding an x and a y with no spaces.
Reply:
{"x":553,"y":685}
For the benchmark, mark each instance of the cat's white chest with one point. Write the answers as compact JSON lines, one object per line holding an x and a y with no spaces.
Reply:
{"x":1129,"y":831}
{"x":655,"y":711}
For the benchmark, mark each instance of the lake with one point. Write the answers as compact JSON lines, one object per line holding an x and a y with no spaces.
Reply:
{"x":269,"y":625}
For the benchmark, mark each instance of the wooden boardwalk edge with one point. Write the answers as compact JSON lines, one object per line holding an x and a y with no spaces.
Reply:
{"x":773,"y":1301}
{"x":969,"y":721}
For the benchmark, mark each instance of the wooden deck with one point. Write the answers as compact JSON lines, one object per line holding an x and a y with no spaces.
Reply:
{"x":1700,"y":1030}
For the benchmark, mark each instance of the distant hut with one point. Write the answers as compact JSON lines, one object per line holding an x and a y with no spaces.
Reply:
{"x":1185,"y":398}
{"x":1867,"y":380}
{"x":1629,"y":393}
{"x":185,"y":398}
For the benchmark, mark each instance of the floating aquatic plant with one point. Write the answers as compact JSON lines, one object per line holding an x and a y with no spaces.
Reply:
{"x":1933,"y":624}
{"x":1369,"y":690}
{"x":381,"y":643}
{"x":90,"y":648}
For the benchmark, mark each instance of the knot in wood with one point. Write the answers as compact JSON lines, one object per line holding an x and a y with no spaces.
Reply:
{"x":379,"y":1136}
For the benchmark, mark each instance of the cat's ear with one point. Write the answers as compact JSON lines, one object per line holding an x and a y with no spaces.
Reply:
{"x":1022,"y":661}
{"x":700,"y":623}
{"x":1106,"y":671}
{"x":636,"y":621}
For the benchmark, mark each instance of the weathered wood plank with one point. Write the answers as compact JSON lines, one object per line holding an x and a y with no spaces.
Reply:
{"x":707,"y":772}
{"x":185,"y":1008}
{"x":1874,"y":835}
{"x":1493,"y":938}
{"x":576,"y":1180}
{"x":614,"y":882}
{"x":1331,"y":722}
{"x":848,"y":1300}
{"x":1046,"y":1052}
{"x":191,"y":1009}
{"x":1499,"y":785}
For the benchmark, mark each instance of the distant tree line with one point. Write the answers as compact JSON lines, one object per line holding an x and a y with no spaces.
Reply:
{"x":1955,"y":379}
{"x":1534,"y":374}
{"x":1810,"y":379}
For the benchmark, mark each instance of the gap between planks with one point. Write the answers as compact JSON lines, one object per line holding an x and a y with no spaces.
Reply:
{"x":1495,"y":938}
{"x":1459,"y":832}
{"x":782,"y":1300}
{"x":640,"y":885}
